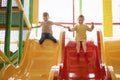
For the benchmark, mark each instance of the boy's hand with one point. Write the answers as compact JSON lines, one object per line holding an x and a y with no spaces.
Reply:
{"x":92,"y":24}
{"x":32,"y":27}
{"x":66,"y":26}
{"x":69,"y":29}
{"x":35,"y":27}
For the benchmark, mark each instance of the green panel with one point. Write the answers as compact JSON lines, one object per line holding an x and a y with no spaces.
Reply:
{"x":2,"y":18}
{"x":15,"y":18}
{"x":80,"y":6}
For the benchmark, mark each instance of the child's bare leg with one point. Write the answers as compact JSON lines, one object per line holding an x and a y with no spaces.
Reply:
{"x":84,"y":46}
{"x":78,"y":47}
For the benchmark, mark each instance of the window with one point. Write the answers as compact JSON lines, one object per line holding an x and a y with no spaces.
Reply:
{"x":3,"y":3}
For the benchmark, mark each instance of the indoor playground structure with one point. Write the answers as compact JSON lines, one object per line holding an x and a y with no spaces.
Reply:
{"x":23,"y":58}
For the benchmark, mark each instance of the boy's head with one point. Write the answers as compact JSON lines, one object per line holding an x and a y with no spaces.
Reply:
{"x":45,"y":16}
{"x":81,"y":19}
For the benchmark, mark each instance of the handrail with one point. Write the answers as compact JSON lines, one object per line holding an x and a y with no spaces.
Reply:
{"x":20,"y":34}
{"x":20,"y":6}
{"x":28,"y":25}
{"x":25,"y":17}
{"x":8,"y":28}
{"x":62,"y":42}
{"x":25,"y":46}
{"x":99,"y":44}
{"x":12,"y":42}
{"x":88,"y":23}
{"x":14,"y":56}
{"x":101,"y":52}
{"x":55,"y":71}
{"x":4,"y":57}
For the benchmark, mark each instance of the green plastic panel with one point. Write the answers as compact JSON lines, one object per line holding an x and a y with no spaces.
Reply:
{"x":15,"y":18}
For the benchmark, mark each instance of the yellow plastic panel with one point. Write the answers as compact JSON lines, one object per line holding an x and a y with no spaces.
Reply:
{"x":112,"y":55}
{"x":107,"y":17}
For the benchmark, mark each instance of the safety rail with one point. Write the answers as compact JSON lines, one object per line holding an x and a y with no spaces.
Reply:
{"x":88,"y":23}
{"x":109,"y":72}
{"x":18,"y":54}
{"x":99,"y":44}
{"x":4,"y":57}
{"x":3,"y":61}
{"x":11,"y":67}
{"x":54,"y":72}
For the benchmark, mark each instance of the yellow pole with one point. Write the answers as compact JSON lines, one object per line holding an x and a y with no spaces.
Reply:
{"x":35,"y":11}
{"x":107,"y":18}
{"x":35,"y":14}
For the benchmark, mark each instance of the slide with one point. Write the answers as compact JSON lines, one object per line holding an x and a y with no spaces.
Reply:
{"x":36,"y":62}
{"x":83,"y":66}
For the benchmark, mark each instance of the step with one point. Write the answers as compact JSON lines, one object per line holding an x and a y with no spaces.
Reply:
{"x":80,"y":70}
{"x":82,"y":65}
{"x":78,"y":76}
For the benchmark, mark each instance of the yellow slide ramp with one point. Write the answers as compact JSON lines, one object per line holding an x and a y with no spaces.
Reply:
{"x":42,"y":58}
{"x":112,"y":56}
{"x":36,"y":62}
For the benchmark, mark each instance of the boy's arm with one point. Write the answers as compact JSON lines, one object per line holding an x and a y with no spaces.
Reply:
{"x":57,"y":24}
{"x":72,"y":29}
{"x":37,"y":26}
{"x":92,"y":27}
